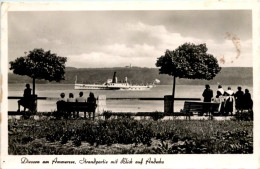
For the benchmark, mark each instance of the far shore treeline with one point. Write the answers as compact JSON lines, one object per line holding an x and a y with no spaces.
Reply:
{"x":137,"y":75}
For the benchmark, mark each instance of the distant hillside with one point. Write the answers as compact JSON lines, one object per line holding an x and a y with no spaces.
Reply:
{"x":227,"y":76}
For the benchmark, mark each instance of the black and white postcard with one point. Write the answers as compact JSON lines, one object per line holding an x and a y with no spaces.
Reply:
{"x":130,"y":85}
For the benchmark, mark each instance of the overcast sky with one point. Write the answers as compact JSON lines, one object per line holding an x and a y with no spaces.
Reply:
{"x":119,"y":38}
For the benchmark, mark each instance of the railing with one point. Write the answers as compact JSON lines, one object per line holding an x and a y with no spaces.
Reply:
{"x":154,"y":98}
{"x":38,"y":98}
{"x":169,"y":98}
{"x":135,"y":98}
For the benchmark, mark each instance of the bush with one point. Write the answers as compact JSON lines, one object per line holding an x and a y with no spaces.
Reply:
{"x":129,"y":136}
{"x":104,"y":132}
{"x":204,"y":137}
{"x":123,"y":131}
{"x":243,"y":116}
{"x":27,"y":114}
{"x":157,"y":116}
{"x":107,"y":114}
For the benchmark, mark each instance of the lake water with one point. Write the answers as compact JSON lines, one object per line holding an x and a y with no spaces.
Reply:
{"x":54,"y":90}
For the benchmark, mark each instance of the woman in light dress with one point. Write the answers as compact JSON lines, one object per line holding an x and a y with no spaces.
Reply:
{"x":229,"y":101}
{"x":221,"y":100}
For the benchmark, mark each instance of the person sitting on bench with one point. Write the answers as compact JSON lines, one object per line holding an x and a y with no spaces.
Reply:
{"x":62,"y":97}
{"x":81,"y":99}
{"x":71,"y":99}
{"x":60,"y":106}
{"x":27,"y":98}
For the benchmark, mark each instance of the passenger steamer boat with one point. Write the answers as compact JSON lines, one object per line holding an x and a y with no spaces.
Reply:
{"x":112,"y":84}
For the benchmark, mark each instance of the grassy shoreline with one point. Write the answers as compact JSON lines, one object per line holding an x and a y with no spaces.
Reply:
{"x":129,"y":136}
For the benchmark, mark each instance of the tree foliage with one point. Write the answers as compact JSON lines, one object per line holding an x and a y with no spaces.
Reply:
{"x":40,"y":64}
{"x":189,"y":61}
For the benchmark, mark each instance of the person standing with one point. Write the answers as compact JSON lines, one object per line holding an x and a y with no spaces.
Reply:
{"x":229,"y":101}
{"x":81,"y":99}
{"x":220,"y":89}
{"x":26,"y":100}
{"x":92,"y":100}
{"x":248,"y":102}
{"x":239,"y":98}
{"x":207,"y":94}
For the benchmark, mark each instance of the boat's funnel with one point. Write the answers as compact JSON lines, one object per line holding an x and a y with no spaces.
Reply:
{"x":125,"y":79}
{"x":114,"y":78}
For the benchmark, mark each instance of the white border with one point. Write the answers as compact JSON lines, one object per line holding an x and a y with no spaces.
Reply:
{"x":170,"y":161}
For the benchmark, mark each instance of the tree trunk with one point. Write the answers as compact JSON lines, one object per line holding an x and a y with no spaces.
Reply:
{"x":33,"y":106}
{"x":33,"y":86}
{"x":173,"y":93}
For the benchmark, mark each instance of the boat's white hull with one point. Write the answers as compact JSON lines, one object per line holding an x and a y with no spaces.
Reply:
{"x":138,"y":88}
{"x":90,"y":87}
{"x":122,"y":86}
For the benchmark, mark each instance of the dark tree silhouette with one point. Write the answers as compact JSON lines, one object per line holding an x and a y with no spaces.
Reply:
{"x":40,"y":64}
{"x":188,"y":61}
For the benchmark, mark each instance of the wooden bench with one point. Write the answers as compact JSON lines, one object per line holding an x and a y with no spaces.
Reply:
{"x":66,"y":108}
{"x":199,"y":107}
{"x":29,"y":103}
